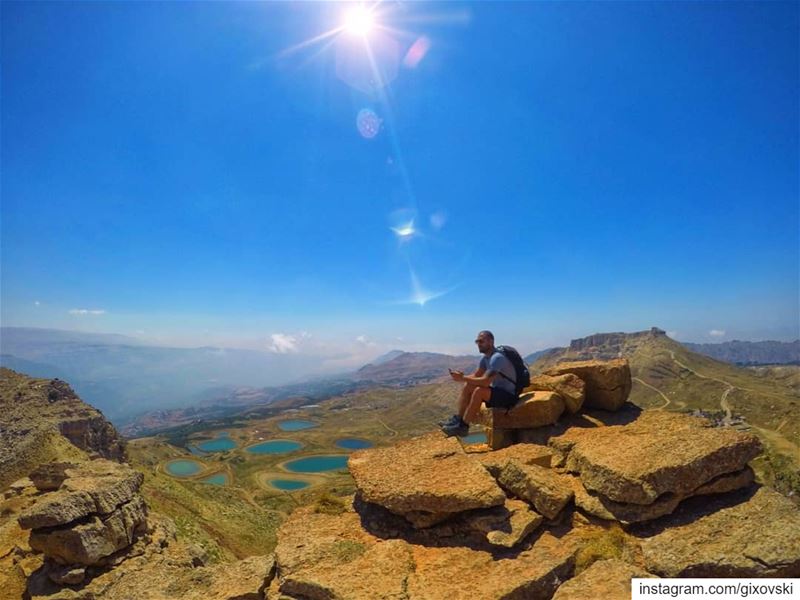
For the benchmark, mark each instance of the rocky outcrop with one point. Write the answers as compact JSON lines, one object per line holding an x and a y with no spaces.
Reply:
{"x":43,"y":420}
{"x":344,"y":560}
{"x":546,"y":490}
{"x":569,"y":386}
{"x":608,"y":579}
{"x":95,"y":512}
{"x":525,"y":454}
{"x":659,"y":453}
{"x":754,"y":534}
{"x":426,"y":479}
{"x":534,"y":409}
{"x":608,"y":383}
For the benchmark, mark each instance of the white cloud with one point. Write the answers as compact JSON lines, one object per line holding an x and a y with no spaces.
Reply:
{"x":672,"y":334}
{"x":37,"y":303}
{"x":283,"y":343}
{"x":87,"y":311}
{"x":716,"y":332}
{"x":365,"y":341}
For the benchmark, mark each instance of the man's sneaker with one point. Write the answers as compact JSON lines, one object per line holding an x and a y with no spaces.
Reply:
{"x":458,"y":429}
{"x":454,"y":420}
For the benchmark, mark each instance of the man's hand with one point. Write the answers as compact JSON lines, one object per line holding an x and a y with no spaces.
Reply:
{"x":457,"y":375}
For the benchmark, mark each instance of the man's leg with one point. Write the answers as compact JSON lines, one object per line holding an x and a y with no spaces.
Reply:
{"x":479,"y":396}
{"x":466,"y":398}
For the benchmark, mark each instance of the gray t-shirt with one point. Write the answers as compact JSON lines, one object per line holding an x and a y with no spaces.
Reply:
{"x":497,"y":363}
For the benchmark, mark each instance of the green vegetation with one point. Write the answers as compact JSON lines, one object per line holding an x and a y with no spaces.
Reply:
{"x":330,"y":505}
{"x":346,"y":551}
{"x":608,"y":542}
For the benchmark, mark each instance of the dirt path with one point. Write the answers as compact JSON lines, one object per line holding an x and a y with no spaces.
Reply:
{"x":779,"y":442}
{"x":667,"y":401}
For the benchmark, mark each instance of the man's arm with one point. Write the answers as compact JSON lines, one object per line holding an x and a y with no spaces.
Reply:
{"x":480,"y":378}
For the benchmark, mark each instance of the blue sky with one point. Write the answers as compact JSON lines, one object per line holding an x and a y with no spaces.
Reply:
{"x":183,"y":173}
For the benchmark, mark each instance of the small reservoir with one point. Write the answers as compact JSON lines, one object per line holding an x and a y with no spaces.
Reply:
{"x":474,"y":438}
{"x":288,"y":485}
{"x":275,"y":447}
{"x":354,"y":443}
{"x":183,"y":467}
{"x":317,"y":464}
{"x":221,"y":443}
{"x":296,"y":425}
{"x":218,"y":479}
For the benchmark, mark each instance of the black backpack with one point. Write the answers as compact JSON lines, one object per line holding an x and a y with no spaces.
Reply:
{"x":522,"y":373}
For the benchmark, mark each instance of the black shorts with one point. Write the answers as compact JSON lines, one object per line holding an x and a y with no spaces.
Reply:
{"x":501,"y":399}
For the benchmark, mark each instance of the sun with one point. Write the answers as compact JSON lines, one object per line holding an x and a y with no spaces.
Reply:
{"x":359,"y":21}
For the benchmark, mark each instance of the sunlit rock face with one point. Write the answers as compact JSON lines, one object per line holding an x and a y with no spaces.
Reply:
{"x":608,"y":383}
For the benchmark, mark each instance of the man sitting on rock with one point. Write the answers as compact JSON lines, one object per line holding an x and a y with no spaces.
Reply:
{"x":493,"y":383}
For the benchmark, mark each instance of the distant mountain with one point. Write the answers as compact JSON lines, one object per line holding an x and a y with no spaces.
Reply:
{"x":124,"y":377}
{"x":384,"y":358}
{"x":534,"y":356}
{"x":667,"y":375}
{"x":751,"y":353}
{"x":411,"y":368}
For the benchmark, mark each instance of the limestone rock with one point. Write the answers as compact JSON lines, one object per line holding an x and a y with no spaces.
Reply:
{"x":602,"y":507}
{"x":608,"y":382}
{"x":88,"y":542}
{"x":505,"y":525}
{"x":658,"y":453}
{"x":548,"y":491}
{"x":569,"y":386}
{"x":608,"y":579}
{"x":526,"y":454}
{"x":429,"y":474}
{"x":43,"y":420}
{"x":98,"y":486}
{"x":343,"y":560}
{"x":756,"y":537}
{"x":534,"y":409}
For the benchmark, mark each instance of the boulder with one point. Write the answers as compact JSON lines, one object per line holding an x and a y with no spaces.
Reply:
{"x":600,"y":506}
{"x":505,"y":525}
{"x":98,"y":486}
{"x":608,"y":579}
{"x":548,"y":491}
{"x":755,"y":535}
{"x":525,"y":454}
{"x":430,"y":474}
{"x":608,"y":382}
{"x":88,"y":542}
{"x":569,"y":386}
{"x":534,"y":409}
{"x":658,"y":453}
{"x":343,"y":560}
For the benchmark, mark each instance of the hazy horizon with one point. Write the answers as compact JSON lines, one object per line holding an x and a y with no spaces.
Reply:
{"x":279,"y":176}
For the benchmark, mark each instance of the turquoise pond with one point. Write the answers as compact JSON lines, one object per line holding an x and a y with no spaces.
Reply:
{"x":219,"y":444}
{"x":296,"y":425}
{"x":474,"y":438}
{"x":353,"y":443}
{"x":183,"y":467}
{"x":288,"y":485}
{"x":218,"y":479}
{"x":275,"y":447}
{"x":316,"y":464}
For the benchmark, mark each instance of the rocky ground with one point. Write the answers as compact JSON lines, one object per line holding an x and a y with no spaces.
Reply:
{"x":573,"y":512}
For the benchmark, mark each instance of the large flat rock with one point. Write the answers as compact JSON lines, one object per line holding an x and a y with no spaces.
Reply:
{"x":526,"y":454}
{"x":321,"y":556}
{"x":600,"y":506}
{"x":658,"y":453}
{"x":545,"y":489}
{"x":430,"y":474}
{"x":608,"y":579}
{"x":755,"y":537}
{"x":608,"y":382}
